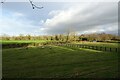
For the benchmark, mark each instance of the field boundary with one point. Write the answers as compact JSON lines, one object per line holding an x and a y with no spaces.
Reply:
{"x":85,"y":46}
{"x":99,"y":48}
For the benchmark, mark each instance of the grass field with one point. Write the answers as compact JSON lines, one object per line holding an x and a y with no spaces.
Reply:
{"x":112,"y":45}
{"x":59,"y":62}
{"x":21,"y":41}
{"x":102,"y":44}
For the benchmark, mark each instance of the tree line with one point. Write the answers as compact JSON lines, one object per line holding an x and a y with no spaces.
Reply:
{"x":65,"y":37}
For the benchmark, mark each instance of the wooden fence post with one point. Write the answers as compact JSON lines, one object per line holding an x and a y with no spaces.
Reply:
{"x":86,"y":46}
{"x":72,"y":45}
{"x":92,"y":47}
{"x":100,"y":48}
{"x":110,"y":50}
{"x":80,"y":46}
{"x":116,"y":50}
{"x":89,"y":47}
{"x":83,"y":46}
{"x":96,"y":48}
{"x":105,"y":48}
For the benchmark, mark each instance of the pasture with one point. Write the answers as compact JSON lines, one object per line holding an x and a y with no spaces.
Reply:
{"x":102,"y":44}
{"x":59,"y":62}
{"x":22,"y":41}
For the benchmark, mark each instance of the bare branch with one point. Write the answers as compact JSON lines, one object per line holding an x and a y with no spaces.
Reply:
{"x":34,"y":6}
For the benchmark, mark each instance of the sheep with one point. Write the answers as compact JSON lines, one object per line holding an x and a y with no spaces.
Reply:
{"x":42,"y":47}
{"x":50,"y":47}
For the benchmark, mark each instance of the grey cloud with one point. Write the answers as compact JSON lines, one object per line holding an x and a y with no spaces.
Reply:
{"x":93,"y":15}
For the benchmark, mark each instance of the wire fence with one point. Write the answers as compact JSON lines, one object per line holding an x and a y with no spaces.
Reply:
{"x":100,"y":48}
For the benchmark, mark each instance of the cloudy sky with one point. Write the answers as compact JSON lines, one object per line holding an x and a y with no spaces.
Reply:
{"x":59,"y":17}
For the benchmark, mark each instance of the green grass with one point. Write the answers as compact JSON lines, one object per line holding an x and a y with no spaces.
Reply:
{"x":59,"y":62}
{"x":102,"y":44}
{"x":22,"y":41}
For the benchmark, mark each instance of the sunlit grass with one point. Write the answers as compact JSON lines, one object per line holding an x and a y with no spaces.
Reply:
{"x":37,"y":62}
{"x":22,"y":41}
{"x":102,"y":44}
{"x":91,"y":50}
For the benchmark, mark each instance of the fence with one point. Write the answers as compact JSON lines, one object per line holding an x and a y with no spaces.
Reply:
{"x":100,"y":48}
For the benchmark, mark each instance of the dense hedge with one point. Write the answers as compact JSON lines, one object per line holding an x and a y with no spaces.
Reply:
{"x":17,"y":45}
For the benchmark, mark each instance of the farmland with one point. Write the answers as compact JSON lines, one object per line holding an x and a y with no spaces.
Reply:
{"x":52,"y":40}
{"x":21,"y":41}
{"x":60,"y":62}
{"x":100,"y":44}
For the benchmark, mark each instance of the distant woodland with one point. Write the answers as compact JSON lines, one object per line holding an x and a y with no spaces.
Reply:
{"x":98,"y":37}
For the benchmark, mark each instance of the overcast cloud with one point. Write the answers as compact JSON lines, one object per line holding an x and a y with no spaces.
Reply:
{"x":88,"y":17}
{"x":59,"y":18}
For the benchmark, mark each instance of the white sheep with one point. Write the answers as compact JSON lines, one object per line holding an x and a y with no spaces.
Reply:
{"x":42,"y":47}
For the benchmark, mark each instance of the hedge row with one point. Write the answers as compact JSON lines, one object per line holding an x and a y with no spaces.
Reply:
{"x":17,"y":45}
